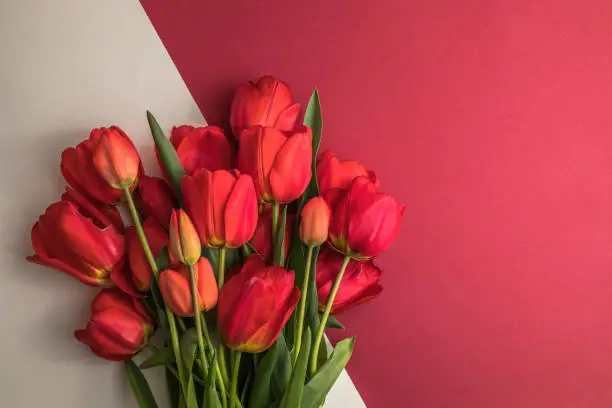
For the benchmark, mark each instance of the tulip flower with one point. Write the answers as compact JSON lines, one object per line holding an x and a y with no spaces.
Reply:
{"x":279,"y":162}
{"x":157,"y":238}
{"x":255,"y":304}
{"x":116,"y":159}
{"x":314,"y":224}
{"x":78,"y":168}
{"x":78,"y":239}
{"x":119,"y":327}
{"x":222,"y":205}
{"x":201,"y":148}
{"x":262,"y":238}
{"x":267,"y":103}
{"x":359,"y":284}
{"x":174,"y":285}
{"x":95,"y":209}
{"x":184,"y":241}
{"x":155,"y":199}
{"x":335,"y":174}
{"x":364,"y":222}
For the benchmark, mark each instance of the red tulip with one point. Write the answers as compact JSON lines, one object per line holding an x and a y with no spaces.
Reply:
{"x":280,"y":163}
{"x":157,"y":238}
{"x":75,"y":237}
{"x":222,"y":205}
{"x":262,"y":238}
{"x":255,"y":304}
{"x":202,"y":148}
{"x":267,"y":103}
{"x":116,"y":159}
{"x":314,"y":224}
{"x":175,"y":286}
{"x":155,"y":199}
{"x":119,"y":326}
{"x":364,"y":222}
{"x":359,"y":284}
{"x":184,"y":241}
{"x":335,"y":174}
{"x":96,"y":209}
{"x":78,"y":168}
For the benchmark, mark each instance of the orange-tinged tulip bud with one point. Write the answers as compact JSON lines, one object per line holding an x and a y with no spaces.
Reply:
{"x":267,"y":103}
{"x":157,"y":238}
{"x":279,"y":162}
{"x":77,"y":238}
{"x":333,"y":173}
{"x":360,"y":281}
{"x":222,"y":205}
{"x":184,"y":241}
{"x":119,"y":327}
{"x":315,"y":222}
{"x":364,"y":222}
{"x":155,"y":199}
{"x":255,"y":304}
{"x":116,"y":159}
{"x":175,"y":286}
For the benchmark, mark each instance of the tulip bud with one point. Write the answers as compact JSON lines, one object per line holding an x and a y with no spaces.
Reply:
{"x":120,"y":326}
{"x":116,"y":159}
{"x":315,"y":222}
{"x":184,"y":240}
{"x":175,"y":286}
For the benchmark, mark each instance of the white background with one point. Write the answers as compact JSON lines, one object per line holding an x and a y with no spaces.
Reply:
{"x":66,"y":67}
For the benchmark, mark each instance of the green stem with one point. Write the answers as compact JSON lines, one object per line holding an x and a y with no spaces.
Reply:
{"x":275,"y":214}
{"x":220,"y":381}
{"x":197,"y":321}
{"x":302,"y":307}
{"x":234,"y":384}
{"x":169,"y":315}
{"x":221,"y":271}
{"x":220,"y":345}
{"x":330,"y":302}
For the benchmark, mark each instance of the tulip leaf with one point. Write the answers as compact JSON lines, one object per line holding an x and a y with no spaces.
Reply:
{"x":279,"y":245}
{"x":162,"y":357}
{"x":261,"y":394}
{"x":211,"y":396}
{"x":170,"y":160}
{"x":163,"y":259}
{"x":293,"y":393}
{"x":282,"y":370}
{"x":334,"y":323}
{"x":322,"y":382}
{"x":189,"y":346}
{"x":314,"y":120}
{"x":140,"y":386}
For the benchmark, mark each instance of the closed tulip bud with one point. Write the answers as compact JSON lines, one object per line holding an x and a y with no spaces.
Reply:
{"x":336,"y":174}
{"x":184,"y":241}
{"x":267,"y":103}
{"x":359,"y":284}
{"x":315,"y":222}
{"x":175,"y":287}
{"x":279,"y":162}
{"x":157,"y":238}
{"x":262,"y":238}
{"x":364,"y":222}
{"x":116,"y":159}
{"x":155,"y":199}
{"x":202,"y":148}
{"x":222,"y":205}
{"x":119,"y":327}
{"x":255,"y":304}
{"x":78,"y":168}
{"x":78,"y":239}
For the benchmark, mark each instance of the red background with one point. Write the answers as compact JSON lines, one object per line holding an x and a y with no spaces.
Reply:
{"x":491,"y":120}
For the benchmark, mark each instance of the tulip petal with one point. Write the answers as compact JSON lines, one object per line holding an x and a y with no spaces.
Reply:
{"x":207,"y":284}
{"x":120,"y":275}
{"x":287,"y":118}
{"x":240,"y":218}
{"x":205,"y":148}
{"x":292,"y":171}
{"x":102,"y":214}
{"x":155,"y":199}
{"x":176,"y":292}
{"x":371,"y":292}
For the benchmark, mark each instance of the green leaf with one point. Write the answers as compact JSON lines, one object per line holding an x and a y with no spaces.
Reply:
{"x":261,"y":395}
{"x":292,"y":397}
{"x":167,"y":154}
{"x":163,"y":259}
{"x":279,"y":245}
{"x":162,"y":357}
{"x":140,"y":386}
{"x":189,"y":346}
{"x":282,"y":370}
{"x":314,"y":120}
{"x":212,"y":254}
{"x":211,"y":396}
{"x":323,"y":381}
{"x":333,"y":323}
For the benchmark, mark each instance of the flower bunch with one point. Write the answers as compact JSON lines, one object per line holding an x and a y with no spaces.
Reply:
{"x":235,"y":258}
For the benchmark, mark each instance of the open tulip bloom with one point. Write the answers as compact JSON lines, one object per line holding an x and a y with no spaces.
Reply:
{"x":238,"y":258}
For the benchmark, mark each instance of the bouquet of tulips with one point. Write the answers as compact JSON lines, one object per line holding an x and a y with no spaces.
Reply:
{"x":235,"y":261}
